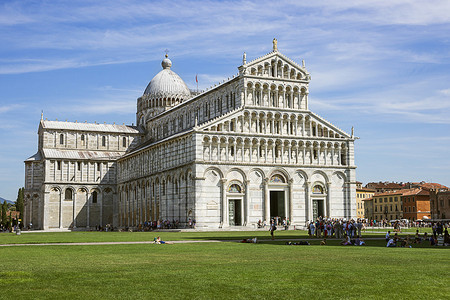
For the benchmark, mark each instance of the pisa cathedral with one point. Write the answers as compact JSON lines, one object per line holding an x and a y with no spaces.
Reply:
{"x":245,"y":150}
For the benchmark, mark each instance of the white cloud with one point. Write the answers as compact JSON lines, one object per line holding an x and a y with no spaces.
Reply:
{"x":125,"y":31}
{"x":9,"y":107}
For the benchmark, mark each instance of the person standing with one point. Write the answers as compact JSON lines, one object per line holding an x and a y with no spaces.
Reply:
{"x":359,"y":226}
{"x":273,"y":227}
{"x":312,"y":228}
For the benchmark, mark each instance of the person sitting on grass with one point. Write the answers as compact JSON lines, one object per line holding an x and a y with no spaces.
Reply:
{"x":253,"y":240}
{"x":158,"y":241}
{"x":388,"y":236}
{"x":359,"y":241}
{"x":433,"y":241}
{"x":396,"y":238}
{"x":324,"y":242}
{"x":346,"y":241}
{"x":406,"y":243}
{"x":418,"y":239}
{"x":391,"y":243}
{"x":425,"y":237}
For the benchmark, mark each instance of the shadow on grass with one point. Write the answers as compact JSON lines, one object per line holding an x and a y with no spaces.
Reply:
{"x":265,"y":238}
{"x":380,"y":243}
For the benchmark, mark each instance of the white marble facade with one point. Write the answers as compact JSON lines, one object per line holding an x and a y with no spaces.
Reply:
{"x":245,"y":150}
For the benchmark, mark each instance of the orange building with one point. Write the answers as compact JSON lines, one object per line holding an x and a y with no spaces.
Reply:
{"x":416,"y":204}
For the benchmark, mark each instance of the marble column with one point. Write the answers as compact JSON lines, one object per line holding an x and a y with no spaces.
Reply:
{"x":266,"y":201}
{"x":246,"y":202}
{"x":328,"y":201}
{"x":308,"y":202}
{"x":224,"y":202}
{"x":61,"y":208}
{"x":291,"y":200}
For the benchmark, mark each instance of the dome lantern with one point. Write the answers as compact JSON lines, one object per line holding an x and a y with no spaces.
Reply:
{"x":166,"y":63}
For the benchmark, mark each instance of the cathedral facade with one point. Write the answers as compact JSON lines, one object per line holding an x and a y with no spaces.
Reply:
{"x":243,"y":151}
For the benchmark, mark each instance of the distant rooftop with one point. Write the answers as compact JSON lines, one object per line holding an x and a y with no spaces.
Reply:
{"x":90,"y":127}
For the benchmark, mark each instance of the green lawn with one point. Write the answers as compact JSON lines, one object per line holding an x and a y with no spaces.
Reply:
{"x":218,"y":270}
{"x":83,"y":236}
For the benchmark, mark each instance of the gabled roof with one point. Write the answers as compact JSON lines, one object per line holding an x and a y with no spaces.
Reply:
{"x":112,"y":128}
{"x":275,"y":54}
{"x":35,"y":157}
{"x":81,"y":154}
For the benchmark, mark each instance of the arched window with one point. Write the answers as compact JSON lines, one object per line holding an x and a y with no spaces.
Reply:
{"x":61,"y":139}
{"x":317,"y":189}
{"x":103,"y":141}
{"x":94,"y":197}
{"x":82,"y":140}
{"x":124,"y":142}
{"x":68,"y":194}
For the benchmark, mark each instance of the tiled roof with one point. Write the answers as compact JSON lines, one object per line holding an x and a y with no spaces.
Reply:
{"x":389,"y":185}
{"x":431,"y":185}
{"x":365,"y":189}
{"x":90,"y":127}
{"x":390,"y":193}
{"x":413,"y":192}
{"x":81,"y":154}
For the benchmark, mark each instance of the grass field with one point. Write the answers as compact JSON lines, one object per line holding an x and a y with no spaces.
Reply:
{"x":225,"y":270}
{"x":84,"y":236}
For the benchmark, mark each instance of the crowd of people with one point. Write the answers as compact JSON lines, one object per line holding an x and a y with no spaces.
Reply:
{"x":162,"y":224}
{"x":277,"y":221}
{"x":323,"y":227}
{"x":397,"y":224}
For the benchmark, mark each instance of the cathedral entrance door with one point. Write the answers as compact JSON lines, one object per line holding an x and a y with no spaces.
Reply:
{"x":234,"y":212}
{"x":277,"y":205}
{"x":317,"y":209}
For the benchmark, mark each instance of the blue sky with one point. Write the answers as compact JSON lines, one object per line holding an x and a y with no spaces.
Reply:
{"x":380,"y":66}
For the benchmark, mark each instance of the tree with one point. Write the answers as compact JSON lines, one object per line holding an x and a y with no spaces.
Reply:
{"x":19,"y":202}
{"x":4,"y":210}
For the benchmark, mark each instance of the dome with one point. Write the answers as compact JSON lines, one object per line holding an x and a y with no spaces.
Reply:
{"x":167,"y":84}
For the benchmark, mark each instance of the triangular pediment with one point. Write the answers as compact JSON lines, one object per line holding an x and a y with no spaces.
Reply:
{"x":261,"y":65}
